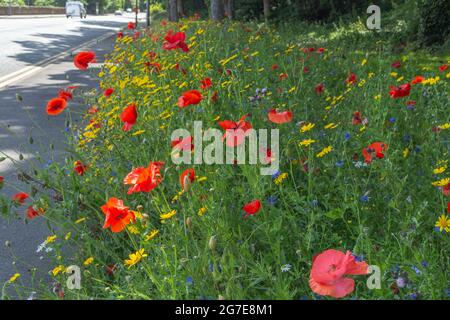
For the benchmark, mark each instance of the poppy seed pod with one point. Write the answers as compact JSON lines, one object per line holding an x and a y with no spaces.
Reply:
{"x":213,"y":243}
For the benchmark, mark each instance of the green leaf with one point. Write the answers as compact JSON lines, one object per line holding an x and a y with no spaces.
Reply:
{"x":335,"y":214}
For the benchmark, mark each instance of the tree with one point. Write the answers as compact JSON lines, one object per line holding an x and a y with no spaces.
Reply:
{"x":229,"y":8}
{"x":266,"y":4}
{"x":173,"y":10}
{"x":217,"y":10}
{"x":180,"y":8}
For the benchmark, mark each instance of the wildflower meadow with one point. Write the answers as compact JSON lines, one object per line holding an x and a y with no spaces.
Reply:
{"x":355,"y":205}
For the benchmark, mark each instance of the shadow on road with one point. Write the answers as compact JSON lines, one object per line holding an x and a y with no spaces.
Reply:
{"x":35,"y":51}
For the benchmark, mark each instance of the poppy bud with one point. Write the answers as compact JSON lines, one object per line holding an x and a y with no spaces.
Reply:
{"x":189,"y":222}
{"x":186,"y":183}
{"x":213,"y":243}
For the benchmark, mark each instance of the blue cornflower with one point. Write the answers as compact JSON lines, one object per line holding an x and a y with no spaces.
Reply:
{"x":340,"y":163}
{"x":272,"y":200}
{"x":416,"y":270}
{"x":392,"y":120}
{"x":189,"y":281}
{"x":347,"y":136}
{"x":364,"y":198}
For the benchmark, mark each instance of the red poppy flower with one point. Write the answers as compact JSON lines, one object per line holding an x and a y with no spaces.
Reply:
{"x":2,"y":181}
{"x":117,"y":215}
{"x":328,"y":271}
{"x":82,"y":59}
{"x":396,"y":64}
{"x":32,"y":213}
{"x":351,"y":79}
{"x":129,"y":116}
{"x":283,"y":76}
{"x":443,"y":67}
{"x":274,"y":67}
{"x":279,"y":117}
{"x":206,"y":83}
{"x":119,"y":34}
{"x":175,"y":41}
{"x":446,"y":190}
{"x":400,"y":91}
{"x":131,"y":25}
{"x":235,"y":131}
{"x":65,"y":94}
{"x":55,"y":106}
{"x":20,"y":197}
{"x":417,"y":79}
{"x":186,"y":178}
{"x":251,"y":208}
{"x":320,"y":50}
{"x":144,"y":179}
{"x":79,"y":168}
{"x":183,"y":144}
{"x":305,"y":70}
{"x":375,"y":149}
{"x":108,"y":92}
{"x":189,"y":97}
{"x":319,"y":88}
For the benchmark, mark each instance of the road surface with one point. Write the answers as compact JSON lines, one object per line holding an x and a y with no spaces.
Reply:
{"x":28,"y":41}
{"x":23,"y":43}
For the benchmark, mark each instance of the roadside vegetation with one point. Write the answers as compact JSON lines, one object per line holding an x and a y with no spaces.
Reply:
{"x":363,"y":177}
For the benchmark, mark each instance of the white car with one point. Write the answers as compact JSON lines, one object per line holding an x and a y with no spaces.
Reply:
{"x":118,"y":13}
{"x":75,"y":9}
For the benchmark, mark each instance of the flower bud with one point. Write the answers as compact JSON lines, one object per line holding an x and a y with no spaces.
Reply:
{"x":189,"y":222}
{"x":213,"y":243}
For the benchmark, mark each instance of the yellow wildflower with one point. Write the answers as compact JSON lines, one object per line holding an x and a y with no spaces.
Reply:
{"x":306,"y":142}
{"x":151,"y":235}
{"x":443,"y":223}
{"x":168,"y":215}
{"x":135,"y":258}
{"x":57,"y":270}
{"x":324,"y":151}
{"x":201,"y":211}
{"x":14,"y":277}
{"x":88,"y":261}
{"x":441,"y":183}
{"x":307,"y":127}
{"x":278,"y":180}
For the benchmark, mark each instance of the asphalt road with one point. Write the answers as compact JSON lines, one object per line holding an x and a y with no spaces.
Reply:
{"x":23,"y":43}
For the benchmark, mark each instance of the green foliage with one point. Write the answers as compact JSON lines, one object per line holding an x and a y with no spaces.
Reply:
{"x":434,"y":26}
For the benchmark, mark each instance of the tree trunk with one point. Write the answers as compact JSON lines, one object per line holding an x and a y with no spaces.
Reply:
{"x":266,"y":4}
{"x":180,"y":8}
{"x":229,"y":8}
{"x":216,"y":10}
{"x":172,"y":8}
